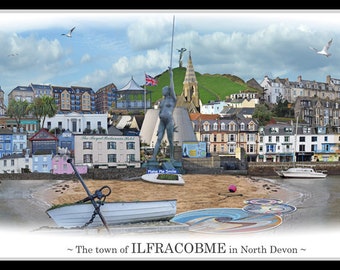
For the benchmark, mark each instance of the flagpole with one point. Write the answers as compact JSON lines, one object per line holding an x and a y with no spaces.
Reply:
{"x":144,"y":98}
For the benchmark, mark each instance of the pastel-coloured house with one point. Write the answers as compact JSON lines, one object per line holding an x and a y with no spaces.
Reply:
{"x":61,"y":166}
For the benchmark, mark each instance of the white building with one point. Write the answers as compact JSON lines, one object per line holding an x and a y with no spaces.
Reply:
{"x":215,"y":107}
{"x":97,"y":150}
{"x":16,"y":163}
{"x":273,"y":89}
{"x":76,"y":122}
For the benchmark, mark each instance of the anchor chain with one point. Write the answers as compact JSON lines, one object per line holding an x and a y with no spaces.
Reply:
{"x":101,"y":199}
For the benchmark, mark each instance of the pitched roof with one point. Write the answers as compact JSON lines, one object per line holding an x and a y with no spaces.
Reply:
{"x":43,"y":135}
{"x":131,"y":85}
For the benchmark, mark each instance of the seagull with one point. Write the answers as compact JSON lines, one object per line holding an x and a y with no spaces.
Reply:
{"x":324,"y":50}
{"x":69,"y":34}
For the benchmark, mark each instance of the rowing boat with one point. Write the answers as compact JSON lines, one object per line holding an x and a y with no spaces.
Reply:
{"x":83,"y":214}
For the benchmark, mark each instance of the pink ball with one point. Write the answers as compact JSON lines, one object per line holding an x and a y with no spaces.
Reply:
{"x":232,"y":188}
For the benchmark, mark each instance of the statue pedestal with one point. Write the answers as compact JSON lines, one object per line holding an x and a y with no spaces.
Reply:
{"x":151,"y":165}
{"x":166,"y":166}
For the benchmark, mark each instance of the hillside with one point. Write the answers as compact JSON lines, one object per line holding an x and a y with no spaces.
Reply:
{"x":210,"y":86}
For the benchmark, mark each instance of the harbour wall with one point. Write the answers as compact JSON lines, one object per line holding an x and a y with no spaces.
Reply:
{"x":211,"y":165}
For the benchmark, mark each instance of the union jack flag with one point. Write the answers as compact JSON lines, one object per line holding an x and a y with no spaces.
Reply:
{"x":150,"y":80}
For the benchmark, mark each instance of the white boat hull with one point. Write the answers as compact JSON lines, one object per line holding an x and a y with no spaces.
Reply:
{"x":77,"y":215}
{"x":300,"y":172}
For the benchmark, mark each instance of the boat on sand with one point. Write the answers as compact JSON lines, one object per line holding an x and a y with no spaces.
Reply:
{"x":93,"y":211}
{"x":83,"y":214}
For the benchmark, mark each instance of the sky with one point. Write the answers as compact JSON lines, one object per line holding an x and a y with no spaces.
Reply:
{"x":113,"y":46}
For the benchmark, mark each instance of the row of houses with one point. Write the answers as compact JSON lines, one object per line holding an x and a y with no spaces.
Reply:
{"x":47,"y":153}
{"x":279,"y":88}
{"x":236,"y":137}
{"x":82,"y":99}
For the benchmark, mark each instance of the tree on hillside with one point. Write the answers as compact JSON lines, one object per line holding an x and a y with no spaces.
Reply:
{"x":263,"y":114}
{"x":17,"y":109}
{"x":282,"y":109}
{"x":43,"y":107}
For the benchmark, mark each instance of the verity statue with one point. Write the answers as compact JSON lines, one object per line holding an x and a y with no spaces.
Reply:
{"x":166,"y":121}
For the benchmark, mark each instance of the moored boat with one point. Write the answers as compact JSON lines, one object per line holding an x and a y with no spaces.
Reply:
{"x":301,"y":172}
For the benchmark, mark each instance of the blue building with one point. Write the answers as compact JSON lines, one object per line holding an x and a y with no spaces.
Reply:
{"x":6,"y":142}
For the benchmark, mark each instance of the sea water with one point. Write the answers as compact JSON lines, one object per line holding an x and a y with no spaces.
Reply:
{"x":318,"y":207}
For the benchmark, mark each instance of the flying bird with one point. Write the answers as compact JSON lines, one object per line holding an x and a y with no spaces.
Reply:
{"x":69,"y":34}
{"x":324,"y":50}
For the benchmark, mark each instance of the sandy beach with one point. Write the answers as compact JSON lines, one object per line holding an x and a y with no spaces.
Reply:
{"x":24,"y":202}
{"x":198,"y":192}
{"x":23,"y":205}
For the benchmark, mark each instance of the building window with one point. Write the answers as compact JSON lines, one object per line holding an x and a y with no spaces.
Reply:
{"x":206,"y":127}
{"x":131,"y":158}
{"x":111,"y":145}
{"x":111,"y":158}
{"x":251,"y":127}
{"x":302,"y":148}
{"x":87,"y":145}
{"x":130,"y":145}
{"x":206,"y":138}
{"x":250,"y":148}
{"x":87,"y":158}
{"x":251,"y":137}
{"x":270,"y":148}
{"x":314,"y":147}
{"x":232,"y":127}
{"x":231,"y":148}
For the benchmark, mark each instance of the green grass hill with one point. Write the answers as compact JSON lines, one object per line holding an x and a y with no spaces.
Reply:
{"x":211,"y":87}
